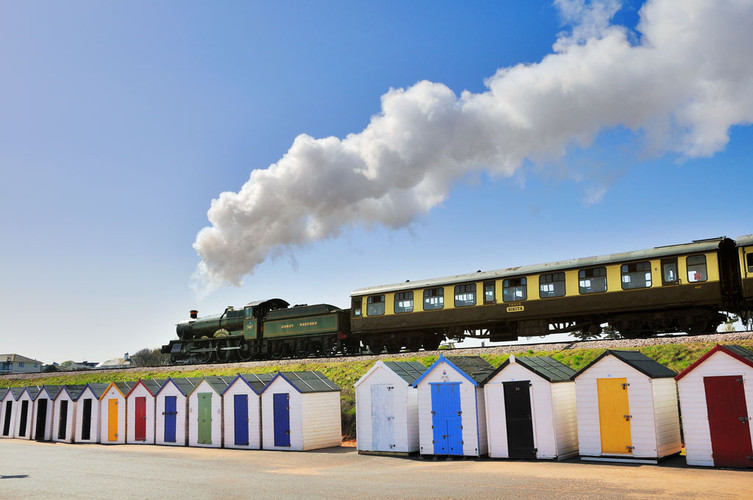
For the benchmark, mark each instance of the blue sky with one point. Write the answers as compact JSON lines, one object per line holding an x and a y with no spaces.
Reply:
{"x":121,"y":122}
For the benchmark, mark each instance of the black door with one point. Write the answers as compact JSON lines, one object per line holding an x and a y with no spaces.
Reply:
{"x":24,"y":417}
{"x":63,"y":421}
{"x":41,"y":419}
{"x":519,"y":422}
{"x":6,"y":424}
{"x":86,"y":421}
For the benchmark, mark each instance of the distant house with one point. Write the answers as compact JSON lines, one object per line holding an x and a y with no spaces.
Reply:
{"x":15,"y":363}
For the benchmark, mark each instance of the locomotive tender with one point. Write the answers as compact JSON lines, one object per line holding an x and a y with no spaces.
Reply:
{"x":677,"y":288}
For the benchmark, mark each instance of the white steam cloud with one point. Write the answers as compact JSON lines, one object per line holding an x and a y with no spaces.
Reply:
{"x":683,"y":83}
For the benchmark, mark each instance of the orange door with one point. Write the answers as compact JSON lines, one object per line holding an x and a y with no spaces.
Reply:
{"x":614,"y":416}
{"x":112,"y":419}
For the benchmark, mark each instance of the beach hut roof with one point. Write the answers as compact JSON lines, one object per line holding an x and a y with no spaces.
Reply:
{"x":475,"y":368}
{"x":544,"y":366}
{"x":307,"y":382}
{"x":637,"y":360}
{"x":740,"y":353}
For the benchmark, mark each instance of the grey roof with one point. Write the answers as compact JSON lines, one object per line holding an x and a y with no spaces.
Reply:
{"x":217,"y":383}
{"x":185,"y":385}
{"x":739,"y":351}
{"x":257,"y":381}
{"x":97,"y":388}
{"x":3,"y":392}
{"x":33,"y":391}
{"x":125,"y":387}
{"x":410,"y":371}
{"x":544,"y":366}
{"x":52,"y":390}
{"x":153,"y":385}
{"x":475,"y":367}
{"x":306,"y":382}
{"x":637,"y":360}
{"x":74,"y":391}
{"x":17,"y":391}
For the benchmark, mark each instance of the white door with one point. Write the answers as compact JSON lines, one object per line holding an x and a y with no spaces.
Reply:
{"x":382,"y":417}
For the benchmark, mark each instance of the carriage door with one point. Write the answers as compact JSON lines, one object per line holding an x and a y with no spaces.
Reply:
{"x":86,"y":425}
{"x":614,"y":416}
{"x":728,"y":421}
{"x":41,"y":419}
{"x":447,"y":420}
{"x":518,"y":420}
{"x":382,"y":417}
{"x":240,"y":404}
{"x":6,"y":424}
{"x":63,"y":420}
{"x":140,"y":423}
{"x":205,"y":418}
{"x":112,"y":419}
{"x":281,"y":409}
{"x":24,"y":418}
{"x":170,"y":417}
{"x":669,"y":275}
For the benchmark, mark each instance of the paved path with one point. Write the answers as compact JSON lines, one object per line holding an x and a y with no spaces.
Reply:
{"x":44,"y":470}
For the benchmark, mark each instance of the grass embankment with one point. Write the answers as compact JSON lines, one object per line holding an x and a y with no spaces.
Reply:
{"x":346,"y":373}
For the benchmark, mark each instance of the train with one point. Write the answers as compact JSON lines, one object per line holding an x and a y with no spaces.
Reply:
{"x":691,"y":287}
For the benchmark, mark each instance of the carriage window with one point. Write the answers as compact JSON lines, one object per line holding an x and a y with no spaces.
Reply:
{"x":375,"y":305}
{"x":636,"y":275}
{"x":749,"y":261}
{"x":697,"y":268}
{"x":552,"y":285}
{"x":356,"y":305}
{"x":404,"y":302}
{"x":514,"y":289}
{"x":465,"y":295}
{"x":433,"y":298}
{"x":489,"y":293}
{"x":592,"y":280}
{"x":669,"y":274}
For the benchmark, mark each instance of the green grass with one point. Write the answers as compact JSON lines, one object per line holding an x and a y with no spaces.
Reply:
{"x":346,"y":373}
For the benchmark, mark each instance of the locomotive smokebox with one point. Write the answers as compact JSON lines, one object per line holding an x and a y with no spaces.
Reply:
{"x":194,"y":313}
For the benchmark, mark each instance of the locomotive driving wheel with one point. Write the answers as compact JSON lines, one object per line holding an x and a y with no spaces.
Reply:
{"x":245,"y":353}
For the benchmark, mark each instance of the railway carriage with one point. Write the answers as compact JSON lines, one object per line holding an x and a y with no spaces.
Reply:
{"x":665,"y":289}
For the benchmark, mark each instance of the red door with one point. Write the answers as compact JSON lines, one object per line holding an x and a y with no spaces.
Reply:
{"x":728,"y":421}
{"x":140,"y":419}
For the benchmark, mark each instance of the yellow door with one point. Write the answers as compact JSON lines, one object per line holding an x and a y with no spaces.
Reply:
{"x":614,"y":416}
{"x":112,"y":419}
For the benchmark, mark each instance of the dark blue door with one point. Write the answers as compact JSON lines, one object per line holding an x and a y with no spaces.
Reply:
{"x":170,"y":417}
{"x":447,"y":420}
{"x":281,"y":404}
{"x":240,"y":401}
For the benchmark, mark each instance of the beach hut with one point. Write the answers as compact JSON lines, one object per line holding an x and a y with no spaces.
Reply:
{"x":171,"y":402}
{"x":25,"y":412}
{"x":627,"y":409}
{"x":140,"y":415}
{"x":64,"y":410}
{"x":205,"y":413}
{"x":451,"y":406}
{"x":300,"y":411}
{"x":43,"y":412}
{"x":8,"y":412}
{"x":530,"y":409}
{"x":242,"y":410}
{"x":88,"y":413}
{"x":716,"y":397}
{"x":112,"y":420}
{"x":387,"y":408}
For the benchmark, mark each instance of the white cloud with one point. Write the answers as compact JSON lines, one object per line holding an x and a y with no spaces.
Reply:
{"x":683,"y":85}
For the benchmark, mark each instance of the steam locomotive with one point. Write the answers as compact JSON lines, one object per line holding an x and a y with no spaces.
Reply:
{"x":679,"y":288}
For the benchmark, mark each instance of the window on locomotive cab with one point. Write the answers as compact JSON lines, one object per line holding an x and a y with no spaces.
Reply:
{"x":514,"y":289}
{"x":697,"y":268}
{"x":552,"y":285}
{"x":375,"y":305}
{"x":433,"y":298}
{"x":489,"y":293}
{"x":636,"y":275}
{"x":356,"y":305}
{"x":404,"y":302}
{"x":465,"y":295}
{"x":592,"y":280}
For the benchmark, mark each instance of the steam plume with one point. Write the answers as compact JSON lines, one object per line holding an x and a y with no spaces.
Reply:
{"x":683,"y":84}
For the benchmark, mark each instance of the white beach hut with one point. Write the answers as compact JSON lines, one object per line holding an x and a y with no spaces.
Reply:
{"x":87,"y":420}
{"x":43,"y":412}
{"x":451,"y":409}
{"x":64,"y":423}
{"x":716,"y":398}
{"x":242,"y":410}
{"x":205,"y":413}
{"x":171,"y":402}
{"x":112,"y":419}
{"x":25,"y":412}
{"x":301,"y":411}
{"x":8,"y":412}
{"x":627,"y":409}
{"x":530,"y":409}
{"x":387,"y":408}
{"x":140,"y":415}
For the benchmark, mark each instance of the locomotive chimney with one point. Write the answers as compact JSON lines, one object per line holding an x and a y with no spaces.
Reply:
{"x":194,"y":313}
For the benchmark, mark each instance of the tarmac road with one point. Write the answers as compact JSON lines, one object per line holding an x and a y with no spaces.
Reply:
{"x":44,"y":470}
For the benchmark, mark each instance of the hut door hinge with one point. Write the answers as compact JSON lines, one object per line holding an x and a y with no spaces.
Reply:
{"x":625,"y":386}
{"x":390,"y":388}
{"x":743,"y":419}
{"x":460,"y":413}
{"x":630,"y":448}
{"x":740,"y":380}
{"x":628,"y":417}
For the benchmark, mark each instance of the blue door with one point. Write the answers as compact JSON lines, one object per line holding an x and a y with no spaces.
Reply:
{"x":281,"y":404}
{"x":171,"y":413}
{"x":447,"y":420}
{"x":240,"y":402}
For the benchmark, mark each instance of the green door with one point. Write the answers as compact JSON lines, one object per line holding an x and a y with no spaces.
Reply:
{"x":205,"y":418}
